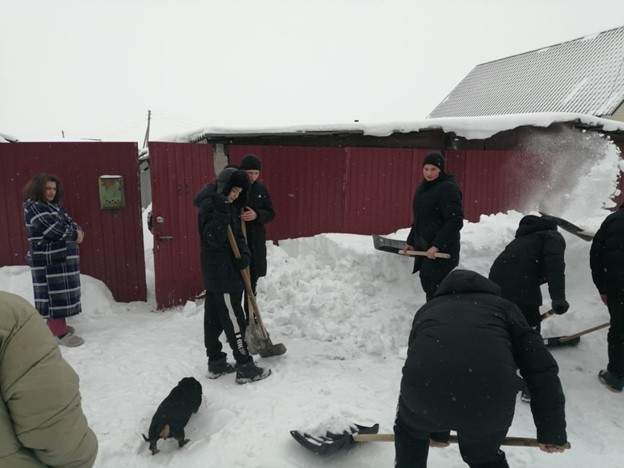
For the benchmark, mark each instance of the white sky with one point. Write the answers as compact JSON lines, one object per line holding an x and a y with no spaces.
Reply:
{"x":93,"y":69}
{"x":344,"y":311}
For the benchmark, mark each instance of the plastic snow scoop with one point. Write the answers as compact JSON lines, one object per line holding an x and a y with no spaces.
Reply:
{"x":555,"y":341}
{"x":256,"y":335}
{"x":572,"y":340}
{"x":331,"y":443}
{"x":571,"y":228}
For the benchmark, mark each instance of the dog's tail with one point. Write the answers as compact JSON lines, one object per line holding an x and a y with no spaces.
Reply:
{"x":145,"y":438}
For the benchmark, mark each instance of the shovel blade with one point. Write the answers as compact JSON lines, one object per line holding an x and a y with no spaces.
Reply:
{"x":555,"y":341}
{"x":258,"y":344}
{"x":331,"y":443}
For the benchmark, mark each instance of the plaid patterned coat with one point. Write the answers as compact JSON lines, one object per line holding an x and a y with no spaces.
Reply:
{"x":54,"y":259}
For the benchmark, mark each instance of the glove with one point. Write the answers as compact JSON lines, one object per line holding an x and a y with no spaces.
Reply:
{"x":241,"y":263}
{"x":560,"y":306}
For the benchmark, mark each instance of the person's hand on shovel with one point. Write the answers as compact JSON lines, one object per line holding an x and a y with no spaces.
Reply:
{"x":551,"y":448}
{"x":432,"y":251}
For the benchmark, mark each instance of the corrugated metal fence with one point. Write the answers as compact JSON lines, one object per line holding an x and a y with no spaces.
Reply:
{"x":113,"y":246}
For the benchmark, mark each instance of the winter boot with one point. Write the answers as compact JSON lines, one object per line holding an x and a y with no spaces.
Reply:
{"x":219,"y":367}
{"x":250,"y":372}
{"x":614,"y":382}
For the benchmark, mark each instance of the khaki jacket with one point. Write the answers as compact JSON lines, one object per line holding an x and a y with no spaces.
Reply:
{"x":41,"y":420}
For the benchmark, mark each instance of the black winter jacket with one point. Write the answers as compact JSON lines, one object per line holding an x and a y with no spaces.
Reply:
{"x":535,"y":256}
{"x":260,"y":202}
{"x":606,"y":257}
{"x":217,"y":258}
{"x":460,"y":372}
{"x":438,"y":218}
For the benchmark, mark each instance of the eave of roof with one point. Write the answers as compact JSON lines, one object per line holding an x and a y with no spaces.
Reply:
{"x":470,"y":128}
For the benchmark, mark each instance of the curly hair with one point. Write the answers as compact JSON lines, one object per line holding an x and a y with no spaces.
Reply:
{"x":35,"y":188}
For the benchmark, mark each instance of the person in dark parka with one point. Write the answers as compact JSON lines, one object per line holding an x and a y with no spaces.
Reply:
{"x":535,"y":256}
{"x":606,"y":259}
{"x":258,"y":212}
{"x":219,"y":207}
{"x":460,"y":374}
{"x":438,"y":218}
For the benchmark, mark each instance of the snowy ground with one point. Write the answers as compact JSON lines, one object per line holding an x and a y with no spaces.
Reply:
{"x":344,"y":311}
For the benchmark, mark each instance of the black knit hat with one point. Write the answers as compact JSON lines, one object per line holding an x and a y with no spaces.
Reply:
{"x":435,"y":159}
{"x":251,"y":162}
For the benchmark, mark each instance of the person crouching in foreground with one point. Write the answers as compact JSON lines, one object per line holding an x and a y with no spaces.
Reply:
{"x":460,"y":374}
{"x":223,"y":311}
{"x":41,"y":419}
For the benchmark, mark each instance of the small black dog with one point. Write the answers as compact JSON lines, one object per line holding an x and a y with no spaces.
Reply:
{"x":174,"y":412}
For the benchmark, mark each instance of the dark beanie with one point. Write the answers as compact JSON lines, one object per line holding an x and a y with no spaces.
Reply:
{"x":435,"y":159}
{"x":251,"y":162}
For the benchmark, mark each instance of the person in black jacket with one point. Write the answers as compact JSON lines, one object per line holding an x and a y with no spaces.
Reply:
{"x":438,"y":218}
{"x":535,"y":256}
{"x":460,"y":374}
{"x":219,"y":207}
{"x":258,"y":212}
{"x":606,"y":259}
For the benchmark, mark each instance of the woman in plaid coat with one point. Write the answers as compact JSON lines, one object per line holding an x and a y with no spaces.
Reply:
{"x":53,"y":256}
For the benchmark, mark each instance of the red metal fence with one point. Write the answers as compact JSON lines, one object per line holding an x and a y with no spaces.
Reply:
{"x":360,"y":190}
{"x":113,"y":247}
{"x":370,"y":190}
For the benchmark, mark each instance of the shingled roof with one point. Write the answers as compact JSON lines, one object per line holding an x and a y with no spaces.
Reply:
{"x":585,"y":75}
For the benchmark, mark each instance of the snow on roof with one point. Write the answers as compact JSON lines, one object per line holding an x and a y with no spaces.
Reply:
{"x":471,"y":128}
{"x":6,"y":138}
{"x":585,"y":75}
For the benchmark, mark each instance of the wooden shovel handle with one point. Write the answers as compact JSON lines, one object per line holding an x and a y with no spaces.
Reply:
{"x":511,"y":441}
{"x":584,"y":332}
{"x":247,"y":281}
{"x":422,"y":253}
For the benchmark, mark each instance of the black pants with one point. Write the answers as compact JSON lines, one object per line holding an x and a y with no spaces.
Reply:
{"x":478,"y":450}
{"x":615,"y":337}
{"x":532,"y":314}
{"x":224,"y":313}
{"x":432,"y":272}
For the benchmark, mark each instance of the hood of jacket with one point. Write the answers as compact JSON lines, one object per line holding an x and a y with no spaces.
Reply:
{"x":461,"y":281}
{"x":531,"y":223}
{"x":204,"y":193}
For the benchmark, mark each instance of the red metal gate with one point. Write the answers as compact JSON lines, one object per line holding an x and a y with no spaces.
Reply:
{"x":113,"y":247}
{"x":178,"y":172}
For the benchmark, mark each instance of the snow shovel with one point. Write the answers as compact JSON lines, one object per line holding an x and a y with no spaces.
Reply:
{"x":555,"y":341}
{"x":256,"y":335}
{"x":331,"y":443}
{"x":568,"y":340}
{"x":571,"y":228}
{"x":385,"y":244}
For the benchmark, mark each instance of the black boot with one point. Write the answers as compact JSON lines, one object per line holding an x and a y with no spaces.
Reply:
{"x":611,"y":380}
{"x":219,"y":367}
{"x":250,"y":372}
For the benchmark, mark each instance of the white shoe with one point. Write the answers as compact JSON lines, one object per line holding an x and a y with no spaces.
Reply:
{"x":70,"y":340}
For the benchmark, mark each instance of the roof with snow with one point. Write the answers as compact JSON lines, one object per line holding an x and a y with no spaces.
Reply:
{"x":584,"y":76}
{"x":470,"y":128}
